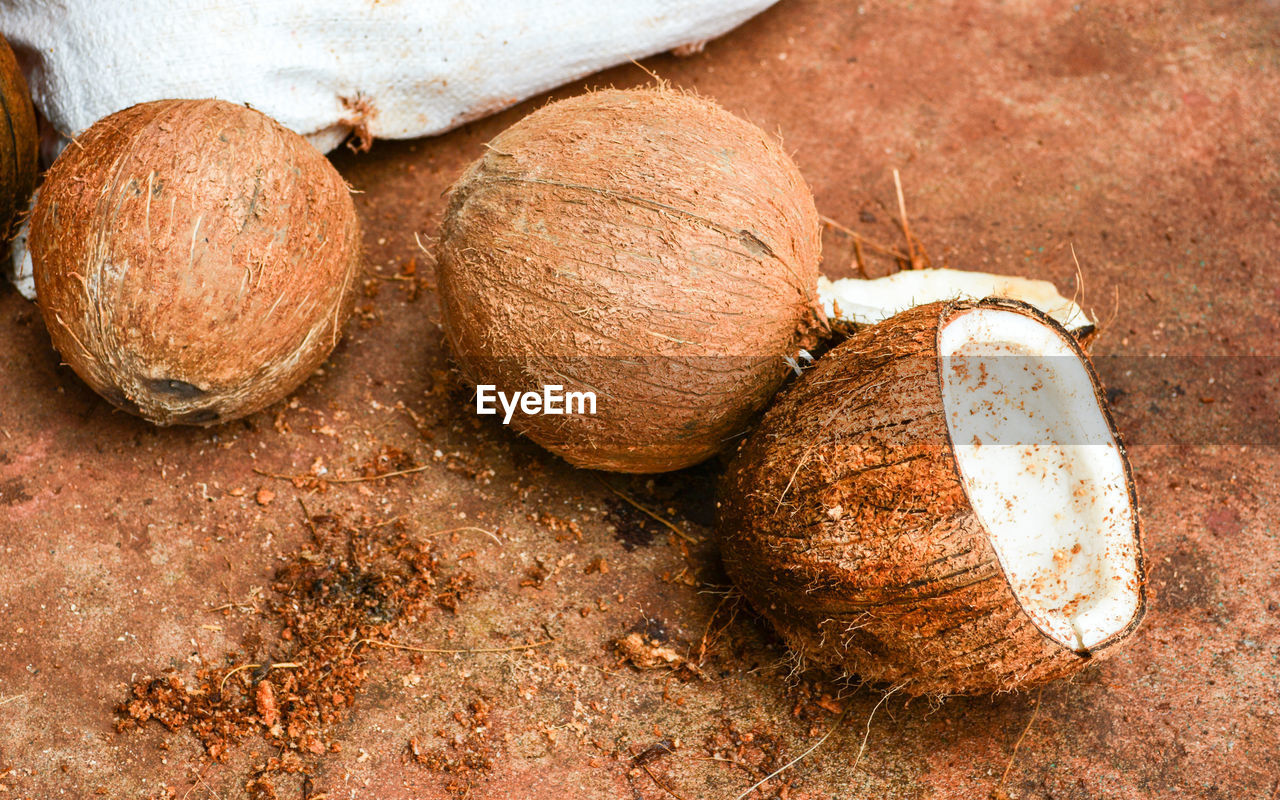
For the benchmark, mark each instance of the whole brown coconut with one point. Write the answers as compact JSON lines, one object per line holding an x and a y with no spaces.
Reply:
{"x":19,"y":143}
{"x":941,"y":504}
{"x":644,"y":245}
{"x":194,"y":260}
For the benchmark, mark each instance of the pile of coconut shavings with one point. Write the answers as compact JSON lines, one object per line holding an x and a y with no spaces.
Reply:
{"x":350,"y":588}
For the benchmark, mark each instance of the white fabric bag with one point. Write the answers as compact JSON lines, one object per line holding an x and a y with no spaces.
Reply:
{"x":385,"y":68}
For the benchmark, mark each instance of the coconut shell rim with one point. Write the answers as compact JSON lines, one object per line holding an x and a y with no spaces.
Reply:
{"x":957,"y":307}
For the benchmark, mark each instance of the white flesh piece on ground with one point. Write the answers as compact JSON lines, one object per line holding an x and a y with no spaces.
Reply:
{"x":868,"y":301}
{"x":18,"y":266}
{"x":1043,"y":473}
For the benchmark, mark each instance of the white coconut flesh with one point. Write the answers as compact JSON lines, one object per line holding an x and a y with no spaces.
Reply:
{"x":1043,"y":472}
{"x":869,"y":301}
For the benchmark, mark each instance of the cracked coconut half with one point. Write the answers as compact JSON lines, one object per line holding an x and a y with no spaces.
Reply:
{"x":941,"y":504}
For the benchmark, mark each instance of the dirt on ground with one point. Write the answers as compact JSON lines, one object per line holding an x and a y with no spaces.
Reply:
{"x":437,"y":608}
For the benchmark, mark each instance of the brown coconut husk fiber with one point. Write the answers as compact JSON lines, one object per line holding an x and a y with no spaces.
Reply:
{"x":848,"y":522}
{"x":646,"y":245}
{"x":194,"y":260}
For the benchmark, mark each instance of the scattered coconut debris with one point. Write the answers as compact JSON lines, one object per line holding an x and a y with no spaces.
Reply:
{"x":336,"y":600}
{"x":643,"y":653}
{"x":466,"y":756}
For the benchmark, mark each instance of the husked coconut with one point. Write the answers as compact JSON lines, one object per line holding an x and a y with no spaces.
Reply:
{"x":644,"y":245}
{"x":19,"y":142}
{"x":941,"y":503}
{"x":194,"y":260}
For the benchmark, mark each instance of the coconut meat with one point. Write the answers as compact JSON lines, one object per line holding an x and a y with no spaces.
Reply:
{"x":1043,"y":472}
{"x":869,"y":301}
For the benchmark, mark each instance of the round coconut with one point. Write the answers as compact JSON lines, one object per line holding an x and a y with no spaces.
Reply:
{"x":194,"y":260}
{"x":19,"y":142}
{"x":646,"y":246}
{"x":941,"y":504}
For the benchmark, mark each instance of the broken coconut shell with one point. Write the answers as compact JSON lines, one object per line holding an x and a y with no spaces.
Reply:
{"x":851,"y":302}
{"x":646,"y":245}
{"x":941,"y":503}
{"x":19,"y":143}
{"x":194,"y":260}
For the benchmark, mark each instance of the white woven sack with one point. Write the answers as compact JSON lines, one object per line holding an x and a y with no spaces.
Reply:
{"x":388,"y":68}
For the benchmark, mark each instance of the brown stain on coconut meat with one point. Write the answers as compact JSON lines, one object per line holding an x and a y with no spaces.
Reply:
{"x":646,"y":245}
{"x":194,"y":260}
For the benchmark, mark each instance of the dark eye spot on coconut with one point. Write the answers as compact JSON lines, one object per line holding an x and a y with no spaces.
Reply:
{"x":181,"y":390}
{"x":204,"y":416}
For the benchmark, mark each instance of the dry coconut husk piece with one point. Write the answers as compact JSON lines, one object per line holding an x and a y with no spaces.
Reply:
{"x":19,"y":143}
{"x":941,"y":504}
{"x":645,"y":245}
{"x":194,"y":260}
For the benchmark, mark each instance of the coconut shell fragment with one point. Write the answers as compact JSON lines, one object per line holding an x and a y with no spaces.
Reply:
{"x":859,"y":301}
{"x":941,"y":504}
{"x":644,"y":245}
{"x":19,"y":143}
{"x":194,"y":260}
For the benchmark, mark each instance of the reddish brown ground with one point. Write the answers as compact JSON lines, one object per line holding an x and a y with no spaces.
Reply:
{"x":1147,"y":138}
